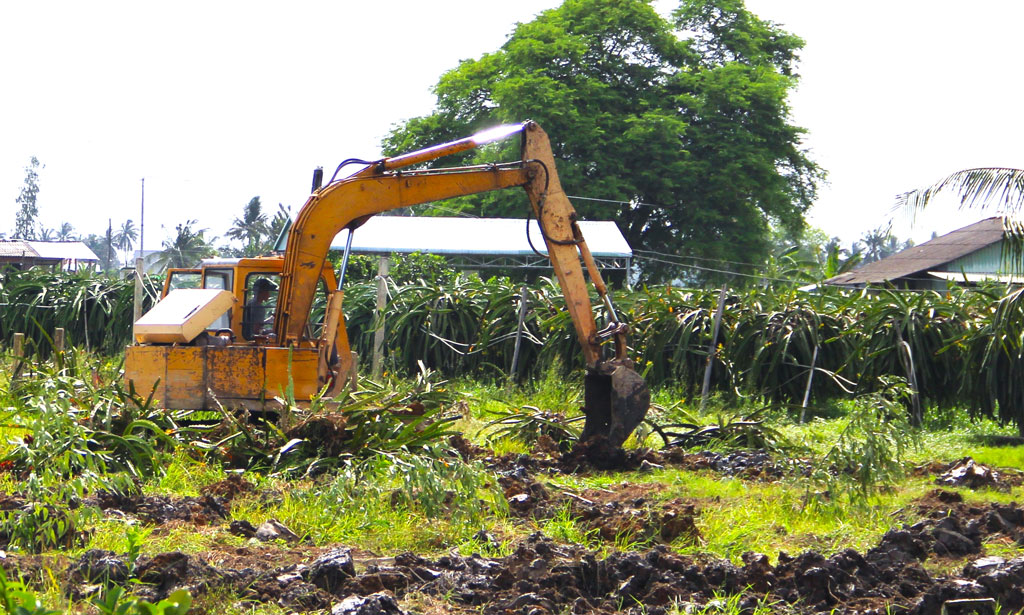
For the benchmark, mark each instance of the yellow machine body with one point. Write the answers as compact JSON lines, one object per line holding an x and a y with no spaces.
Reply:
{"x":200,"y":377}
{"x":191,"y":369}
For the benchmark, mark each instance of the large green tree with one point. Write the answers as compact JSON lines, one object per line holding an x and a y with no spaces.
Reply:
{"x":25,"y":217}
{"x":682,"y":122}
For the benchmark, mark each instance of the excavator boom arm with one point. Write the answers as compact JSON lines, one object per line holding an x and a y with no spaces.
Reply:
{"x":346,"y":204}
{"x":616,"y":397}
{"x":381,"y":187}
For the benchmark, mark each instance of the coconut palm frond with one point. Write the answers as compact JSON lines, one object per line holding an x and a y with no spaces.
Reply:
{"x":998,"y":188}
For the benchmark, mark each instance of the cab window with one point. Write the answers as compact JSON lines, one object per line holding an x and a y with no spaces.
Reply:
{"x":183,"y":278}
{"x":260,"y":303}
{"x":221,"y":280}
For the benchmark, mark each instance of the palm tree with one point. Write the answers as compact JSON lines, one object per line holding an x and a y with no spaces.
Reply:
{"x":250,"y":228}
{"x":66,"y":232}
{"x":124,"y":239}
{"x":281,"y":218}
{"x":101,"y":247}
{"x":188,"y":247}
{"x":1000,"y":187}
{"x":872,"y":244}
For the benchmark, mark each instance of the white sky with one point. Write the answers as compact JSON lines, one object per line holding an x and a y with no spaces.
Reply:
{"x":216,"y":102}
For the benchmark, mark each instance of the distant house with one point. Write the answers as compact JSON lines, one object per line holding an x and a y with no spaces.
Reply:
{"x":968,"y":255}
{"x":66,"y":255}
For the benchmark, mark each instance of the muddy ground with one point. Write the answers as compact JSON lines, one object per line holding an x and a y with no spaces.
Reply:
{"x":542,"y":576}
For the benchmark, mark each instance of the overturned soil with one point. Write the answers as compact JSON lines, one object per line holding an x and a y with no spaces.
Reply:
{"x":543,"y":576}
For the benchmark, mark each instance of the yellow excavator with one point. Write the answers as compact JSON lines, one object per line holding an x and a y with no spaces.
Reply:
{"x":238,"y":332}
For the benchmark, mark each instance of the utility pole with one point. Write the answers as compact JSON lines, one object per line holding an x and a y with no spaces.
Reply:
{"x":142,"y":220}
{"x":110,"y":239}
{"x":137,"y":308}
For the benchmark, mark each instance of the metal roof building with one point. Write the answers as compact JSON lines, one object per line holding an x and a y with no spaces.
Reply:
{"x":70,"y":255}
{"x":477,"y":243}
{"x":967,"y":255}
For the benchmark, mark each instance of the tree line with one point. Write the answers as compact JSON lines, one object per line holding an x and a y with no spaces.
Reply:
{"x":254,"y":233}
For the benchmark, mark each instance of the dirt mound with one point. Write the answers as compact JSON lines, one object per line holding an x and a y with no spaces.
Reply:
{"x":748,"y":464}
{"x":626,"y":514}
{"x":543,"y":576}
{"x":596,"y":455}
{"x":160,"y":509}
{"x":227,"y":489}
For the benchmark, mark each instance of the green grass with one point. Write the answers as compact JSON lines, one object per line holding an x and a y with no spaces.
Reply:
{"x":391,"y":502}
{"x":185,"y":476}
{"x":563,"y":527}
{"x":1000,"y":457}
{"x":726,"y":605}
{"x":736,"y":516}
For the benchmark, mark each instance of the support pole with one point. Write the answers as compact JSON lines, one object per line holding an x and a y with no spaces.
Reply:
{"x":810,"y":379}
{"x":383,"y":266}
{"x":514,"y":372}
{"x":907,"y":358}
{"x":58,"y":340}
{"x":137,"y":313}
{"x":712,"y":348}
{"x":19,"y":352}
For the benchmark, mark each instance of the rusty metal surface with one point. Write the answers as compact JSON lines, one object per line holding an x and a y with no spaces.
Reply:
{"x":297,"y":364}
{"x":235,"y":371}
{"x":193,"y":377}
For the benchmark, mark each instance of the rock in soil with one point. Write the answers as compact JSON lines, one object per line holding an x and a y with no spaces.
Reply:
{"x":969,"y":473}
{"x":381,"y":603}
{"x":273,"y":529}
{"x":330,"y":570}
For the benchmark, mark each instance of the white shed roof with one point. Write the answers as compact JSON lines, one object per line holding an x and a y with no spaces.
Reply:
{"x":469,"y":236}
{"x":64,"y":250}
{"x":47,"y":250}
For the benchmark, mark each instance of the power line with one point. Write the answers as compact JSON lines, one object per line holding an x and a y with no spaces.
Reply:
{"x":725,"y":271}
{"x":699,"y":258}
{"x":637,"y":203}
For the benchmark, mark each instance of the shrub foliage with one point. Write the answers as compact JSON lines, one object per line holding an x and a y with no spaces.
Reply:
{"x":956,"y":347}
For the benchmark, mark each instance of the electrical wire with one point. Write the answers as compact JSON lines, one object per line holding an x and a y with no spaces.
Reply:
{"x":636,"y":203}
{"x":725,"y":271}
{"x":698,"y":258}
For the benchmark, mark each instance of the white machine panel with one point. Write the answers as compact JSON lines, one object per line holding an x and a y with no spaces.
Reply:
{"x":182,"y":315}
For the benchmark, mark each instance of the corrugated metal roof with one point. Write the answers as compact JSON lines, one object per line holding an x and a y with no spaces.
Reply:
{"x":16,"y":248}
{"x":930,"y":255}
{"x":479,"y":236}
{"x":63,"y":250}
{"x":956,"y":276}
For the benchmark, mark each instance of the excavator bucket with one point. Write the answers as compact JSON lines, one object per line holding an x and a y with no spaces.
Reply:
{"x":614,"y":404}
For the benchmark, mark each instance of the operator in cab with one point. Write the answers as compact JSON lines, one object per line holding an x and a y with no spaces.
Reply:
{"x":259,"y":311}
